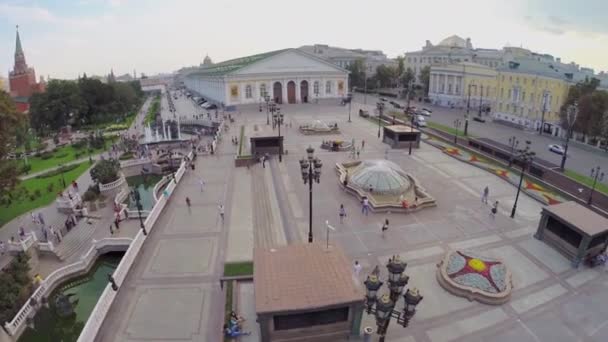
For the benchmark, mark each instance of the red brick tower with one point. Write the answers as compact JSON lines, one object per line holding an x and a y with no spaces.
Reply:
{"x":22,"y":79}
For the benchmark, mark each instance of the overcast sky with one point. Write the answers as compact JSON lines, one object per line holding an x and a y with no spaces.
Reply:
{"x":63,"y":38}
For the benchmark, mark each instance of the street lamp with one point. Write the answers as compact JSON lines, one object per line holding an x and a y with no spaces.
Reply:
{"x":350,"y":101}
{"x":513,"y":142}
{"x":466,"y":117}
{"x":311,"y":171}
{"x":572,"y":114}
{"x":595,"y":174}
{"x":525,"y":155}
{"x":277,"y":120}
{"x":480,"y":99}
{"x":383,"y":307}
{"x":380,"y":107}
{"x":137,"y":198}
{"x":411,"y":131}
{"x":457,"y":124}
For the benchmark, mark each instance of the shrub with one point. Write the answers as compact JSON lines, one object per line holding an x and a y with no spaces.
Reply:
{"x":46,"y":155}
{"x":105,"y":171}
{"x":50,"y":187}
{"x":25,"y":169}
{"x":32,"y":197}
{"x":37,"y":193}
{"x":58,"y":171}
{"x":61,"y":155}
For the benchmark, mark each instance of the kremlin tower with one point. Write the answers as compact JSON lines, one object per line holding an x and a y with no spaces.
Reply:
{"x":22,"y":80}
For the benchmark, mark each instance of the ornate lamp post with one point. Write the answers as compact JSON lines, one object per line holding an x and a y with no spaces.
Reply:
{"x":137,"y":198}
{"x":513,"y":142}
{"x":526,"y":156}
{"x":595,"y":174}
{"x":411,"y":131}
{"x":571,"y":115}
{"x":457,"y":124}
{"x":277,"y":120}
{"x":267,"y":99}
{"x":383,"y":307}
{"x":466,"y":117}
{"x":311,"y":171}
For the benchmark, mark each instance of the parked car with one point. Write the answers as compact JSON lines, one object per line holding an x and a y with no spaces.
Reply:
{"x":396,"y":105}
{"x":383,"y":99}
{"x":419,"y":121}
{"x":428,"y":110}
{"x":212,"y":106}
{"x":557,"y":149}
{"x":363,"y":113}
{"x":410,"y":109}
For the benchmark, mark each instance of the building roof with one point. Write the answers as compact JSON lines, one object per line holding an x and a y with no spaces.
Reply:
{"x":532,"y":66}
{"x":303,"y":277}
{"x":579,"y":216}
{"x":453,"y":40}
{"x":225,"y":67}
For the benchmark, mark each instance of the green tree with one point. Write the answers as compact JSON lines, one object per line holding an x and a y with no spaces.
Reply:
{"x":105,"y":171}
{"x":60,"y":105}
{"x":10,"y":121}
{"x":400,"y":66}
{"x":357,"y":73}
{"x":425,"y":78}
{"x":407,"y":77}
{"x":386,"y":76}
{"x":583,"y":94}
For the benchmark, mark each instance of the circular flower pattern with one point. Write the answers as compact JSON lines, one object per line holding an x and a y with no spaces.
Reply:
{"x":471,"y":270}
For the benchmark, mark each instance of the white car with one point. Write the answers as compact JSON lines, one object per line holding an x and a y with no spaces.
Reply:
{"x":419,"y":121}
{"x":557,"y":149}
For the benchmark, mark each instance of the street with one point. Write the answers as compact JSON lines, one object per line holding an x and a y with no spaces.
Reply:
{"x":579,"y":159}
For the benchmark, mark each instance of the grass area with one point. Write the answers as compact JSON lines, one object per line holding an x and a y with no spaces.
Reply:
{"x":34,"y":193}
{"x":588,"y":181}
{"x":228,"y":305}
{"x":447,"y":129}
{"x":232,"y":269}
{"x":374,"y":120}
{"x":241,"y":138}
{"x":152,"y":110}
{"x":62,"y":155}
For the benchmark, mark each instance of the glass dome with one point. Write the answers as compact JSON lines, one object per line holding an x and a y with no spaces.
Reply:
{"x":382,"y":176}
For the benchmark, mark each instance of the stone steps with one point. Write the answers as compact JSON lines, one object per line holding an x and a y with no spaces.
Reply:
{"x":262,"y":211}
{"x":76,"y":240}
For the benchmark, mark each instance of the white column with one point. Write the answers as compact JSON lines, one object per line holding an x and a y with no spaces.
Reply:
{"x":445,"y":84}
{"x":298,"y":93}
{"x":285,"y":91}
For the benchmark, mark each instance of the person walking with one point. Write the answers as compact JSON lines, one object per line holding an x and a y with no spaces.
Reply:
{"x":357,"y":268}
{"x":365,"y":206}
{"x":2,"y":247}
{"x":202,"y":183}
{"x":188,"y":201}
{"x":21,"y":233}
{"x":117,"y":223}
{"x":111,"y":230}
{"x":342,"y":213}
{"x":384,"y":227}
{"x":362,"y":144}
{"x":221,"y":210}
{"x":494,"y":210}
{"x":484,"y":196}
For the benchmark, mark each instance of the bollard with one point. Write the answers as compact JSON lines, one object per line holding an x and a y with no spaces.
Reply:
{"x":367,"y":334}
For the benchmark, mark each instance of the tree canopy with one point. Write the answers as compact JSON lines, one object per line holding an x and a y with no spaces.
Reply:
{"x":425,"y":78}
{"x":10,"y":123}
{"x":83,"y":102}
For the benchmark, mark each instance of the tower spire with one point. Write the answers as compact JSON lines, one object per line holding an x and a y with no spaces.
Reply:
{"x":18,"y":48}
{"x":20,"y":64}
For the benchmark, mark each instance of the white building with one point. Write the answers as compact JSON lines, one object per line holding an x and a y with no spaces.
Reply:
{"x":343,"y":58}
{"x":287,"y":76}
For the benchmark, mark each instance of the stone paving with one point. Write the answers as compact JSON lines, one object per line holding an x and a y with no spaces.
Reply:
{"x":173,"y":293}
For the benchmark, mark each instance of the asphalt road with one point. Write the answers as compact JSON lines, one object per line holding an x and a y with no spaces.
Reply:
{"x":579,"y":160}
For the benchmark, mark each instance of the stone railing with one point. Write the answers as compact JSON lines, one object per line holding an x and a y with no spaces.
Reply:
{"x":113,"y":185}
{"x":133,"y":162}
{"x":158,"y":185}
{"x":68,"y":204}
{"x":17,"y":325}
{"x":121,"y":196}
{"x":46,"y":246}
{"x":22,"y":245}
{"x":93,"y":324}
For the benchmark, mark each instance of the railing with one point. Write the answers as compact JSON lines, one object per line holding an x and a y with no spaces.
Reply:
{"x":46,"y":246}
{"x":113,"y":185}
{"x":16,"y":326}
{"x":66,"y":203}
{"x":133,"y":162}
{"x":121,"y":196}
{"x":91,"y":328}
{"x":158,"y":185}
{"x":22,"y":245}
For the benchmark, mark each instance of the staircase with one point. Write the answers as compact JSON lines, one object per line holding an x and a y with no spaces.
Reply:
{"x":77,"y":240}
{"x":265,"y":228}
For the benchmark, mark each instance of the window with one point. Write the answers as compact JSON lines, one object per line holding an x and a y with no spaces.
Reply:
{"x":309,"y":319}
{"x":328,"y":87}
{"x":263,"y":90}
{"x":510,"y":97}
{"x":488,"y":92}
{"x":531,"y":98}
{"x":449,"y":88}
{"x":457,"y":89}
{"x":248,"y":91}
{"x":502,"y":92}
{"x":315,"y":88}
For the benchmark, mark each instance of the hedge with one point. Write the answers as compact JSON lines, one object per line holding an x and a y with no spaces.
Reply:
{"x":57,"y":171}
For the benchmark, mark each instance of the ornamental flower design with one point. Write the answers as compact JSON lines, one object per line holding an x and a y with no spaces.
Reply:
{"x":467,"y":274}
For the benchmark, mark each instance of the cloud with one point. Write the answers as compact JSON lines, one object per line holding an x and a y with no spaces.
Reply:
{"x":18,"y":13}
{"x":551,"y":24}
{"x":116,"y":3}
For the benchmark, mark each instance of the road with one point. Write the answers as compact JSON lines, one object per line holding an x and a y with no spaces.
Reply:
{"x":579,"y":159}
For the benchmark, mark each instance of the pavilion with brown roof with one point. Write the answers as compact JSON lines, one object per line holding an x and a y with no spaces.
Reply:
{"x":574,"y":230}
{"x":306,"y":292}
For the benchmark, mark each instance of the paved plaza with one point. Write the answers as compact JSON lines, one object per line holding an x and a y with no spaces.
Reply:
{"x":172,"y":293}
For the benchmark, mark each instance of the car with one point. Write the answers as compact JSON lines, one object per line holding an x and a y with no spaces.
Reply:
{"x":557,"y":149}
{"x":212,"y":106}
{"x":363,"y":113}
{"x":428,"y":110}
{"x":424,"y":112}
{"x":410,"y":109}
{"x":419,"y":121}
{"x":383,"y":99}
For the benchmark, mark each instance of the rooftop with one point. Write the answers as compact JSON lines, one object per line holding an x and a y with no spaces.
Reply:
{"x":579,"y":216}
{"x":401,"y":128}
{"x":302,"y":277}
{"x":231,"y":65}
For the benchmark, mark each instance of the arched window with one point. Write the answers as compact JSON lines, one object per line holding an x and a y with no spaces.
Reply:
{"x":328,"y":87}
{"x":316,"y":88}
{"x":263,"y":90}
{"x":248,"y":91}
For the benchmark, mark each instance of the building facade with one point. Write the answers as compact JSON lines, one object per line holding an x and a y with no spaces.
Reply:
{"x":343,"y":58}
{"x":286,"y":76}
{"x":22,"y":80}
{"x":530,"y":92}
{"x":459,"y":85}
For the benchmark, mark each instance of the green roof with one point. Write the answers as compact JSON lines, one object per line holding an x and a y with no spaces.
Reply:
{"x":534,"y":67}
{"x":226,"y":67}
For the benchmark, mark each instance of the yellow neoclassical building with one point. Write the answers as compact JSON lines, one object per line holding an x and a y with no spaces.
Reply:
{"x":462,"y":85}
{"x":530,"y":92}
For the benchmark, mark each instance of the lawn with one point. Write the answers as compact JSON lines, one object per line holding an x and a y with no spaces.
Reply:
{"x":25,"y":203}
{"x":238,"y":269}
{"x":588,"y":181}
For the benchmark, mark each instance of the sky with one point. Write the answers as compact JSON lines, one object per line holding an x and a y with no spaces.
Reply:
{"x":65,"y":38}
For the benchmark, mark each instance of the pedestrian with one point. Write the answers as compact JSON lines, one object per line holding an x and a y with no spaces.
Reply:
{"x":384,"y":227}
{"x":75,"y":185}
{"x":34,"y":217}
{"x":188,"y":201}
{"x":264,"y":161}
{"x":45,"y":234}
{"x":117,"y":223}
{"x":41,"y":218}
{"x":484,"y":196}
{"x":202,"y":183}
{"x":2,"y":247}
{"x":494,"y":210}
{"x":362,"y":144}
{"x":358,"y":151}
{"x":365,"y":206}
{"x":357,"y":268}
{"x":111,"y":230}
{"x":342,"y":213}
{"x":21,"y":233}
{"x":221,"y":210}
{"x":57,"y":237}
